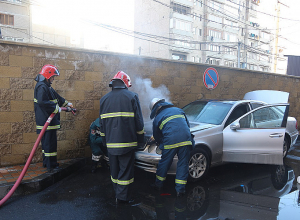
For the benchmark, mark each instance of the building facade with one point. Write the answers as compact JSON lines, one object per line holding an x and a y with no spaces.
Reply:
{"x":218,"y":32}
{"x":14,"y":20}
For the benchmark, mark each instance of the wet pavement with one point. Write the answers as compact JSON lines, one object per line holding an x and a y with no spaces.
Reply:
{"x":232,"y":191}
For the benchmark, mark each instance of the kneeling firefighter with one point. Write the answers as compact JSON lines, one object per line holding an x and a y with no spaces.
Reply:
{"x":98,"y":149}
{"x":171,"y":130}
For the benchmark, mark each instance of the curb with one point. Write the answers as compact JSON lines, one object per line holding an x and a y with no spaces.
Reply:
{"x":43,"y":181}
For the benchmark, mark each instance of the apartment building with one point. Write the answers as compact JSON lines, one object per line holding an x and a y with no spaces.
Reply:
{"x":14,"y":20}
{"x":219,"y":32}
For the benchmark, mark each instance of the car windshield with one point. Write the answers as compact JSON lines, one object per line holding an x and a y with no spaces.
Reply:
{"x":207,"y":112}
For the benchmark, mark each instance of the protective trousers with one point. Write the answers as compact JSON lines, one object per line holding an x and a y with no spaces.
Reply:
{"x":97,"y":151}
{"x":122,"y":174}
{"x":49,"y":147}
{"x":182,"y":171}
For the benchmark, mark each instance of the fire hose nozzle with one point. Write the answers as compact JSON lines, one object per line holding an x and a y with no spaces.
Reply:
{"x":69,"y":109}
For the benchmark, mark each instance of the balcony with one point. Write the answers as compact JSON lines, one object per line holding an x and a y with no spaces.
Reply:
{"x":214,"y":25}
{"x":181,"y":32}
{"x":181,"y":16}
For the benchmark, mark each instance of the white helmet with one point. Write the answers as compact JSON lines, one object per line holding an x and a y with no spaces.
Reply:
{"x":154,"y":101}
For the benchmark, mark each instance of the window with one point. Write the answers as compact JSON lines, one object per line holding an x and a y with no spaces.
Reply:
{"x":214,"y":5}
{"x":215,"y":19}
{"x":178,"y":56}
{"x":268,"y":117}
{"x":230,"y":37}
{"x":214,"y":47}
{"x":214,"y":34}
{"x":228,"y":50}
{"x":6,"y":19}
{"x":229,"y":63}
{"x":180,"y":9}
{"x":213,"y":61}
{"x":231,"y":24}
{"x":181,"y":25}
{"x":200,"y":32}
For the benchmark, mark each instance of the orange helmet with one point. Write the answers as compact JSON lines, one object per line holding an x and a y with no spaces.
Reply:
{"x":124,"y":77}
{"x":49,"y":70}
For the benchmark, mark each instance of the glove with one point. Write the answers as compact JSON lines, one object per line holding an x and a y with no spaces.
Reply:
{"x":70,"y":105}
{"x":69,"y":109}
{"x":59,"y":109}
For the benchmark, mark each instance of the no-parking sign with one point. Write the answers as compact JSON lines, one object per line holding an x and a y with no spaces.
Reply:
{"x":211,"y":78}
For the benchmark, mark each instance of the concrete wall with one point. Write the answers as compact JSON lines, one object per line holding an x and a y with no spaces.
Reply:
{"x":84,"y":80}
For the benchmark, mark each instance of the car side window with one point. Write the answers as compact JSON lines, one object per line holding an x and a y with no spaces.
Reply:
{"x":256,"y":105}
{"x":236,"y":113}
{"x":269,"y":117}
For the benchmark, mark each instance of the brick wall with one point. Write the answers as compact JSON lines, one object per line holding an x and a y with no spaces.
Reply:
{"x":84,"y":80}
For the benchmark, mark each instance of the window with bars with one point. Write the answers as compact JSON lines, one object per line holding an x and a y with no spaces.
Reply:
{"x":6,"y":19}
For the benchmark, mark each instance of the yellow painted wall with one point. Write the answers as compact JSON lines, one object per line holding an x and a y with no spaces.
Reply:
{"x":84,"y":80}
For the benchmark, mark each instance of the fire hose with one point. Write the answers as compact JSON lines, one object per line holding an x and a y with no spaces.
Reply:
{"x":17,"y":183}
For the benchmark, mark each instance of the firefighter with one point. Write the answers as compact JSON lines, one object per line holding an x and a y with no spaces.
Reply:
{"x":122,"y":130}
{"x":98,"y":150}
{"x":47,"y":101}
{"x":171,"y":131}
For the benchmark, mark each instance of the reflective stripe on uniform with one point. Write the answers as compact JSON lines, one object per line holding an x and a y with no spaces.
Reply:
{"x":168,"y":119}
{"x":141,"y":132}
{"x":49,"y":127}
{"x":121,"y":145}
{"x":179,"y":210}
{"x":56,"y":109}
{"x":180,"y":181}
{"x":65,"y":103}
{"x":161,"y":178}
{"x":117,"y":114}
{"x":102,"y":134}
{"x":122,"y":182}
{"x":178,"y":145}
{"x":36,"y":101}
{"x":49,"y":154}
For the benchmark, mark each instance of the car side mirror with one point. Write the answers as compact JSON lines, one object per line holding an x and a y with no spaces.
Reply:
{"x":235,"y":125}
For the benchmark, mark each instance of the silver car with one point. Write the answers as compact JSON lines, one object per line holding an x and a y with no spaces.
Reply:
{"x":243,"y":131}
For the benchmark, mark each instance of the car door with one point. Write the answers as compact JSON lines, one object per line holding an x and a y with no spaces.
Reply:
{"x":257,"y":137}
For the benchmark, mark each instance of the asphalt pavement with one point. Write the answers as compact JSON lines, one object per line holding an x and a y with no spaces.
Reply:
{"x":232,"y":191}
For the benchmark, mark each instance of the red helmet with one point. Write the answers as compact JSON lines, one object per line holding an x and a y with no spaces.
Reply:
{"x":124,"y":77}
{"x":49,"y":70}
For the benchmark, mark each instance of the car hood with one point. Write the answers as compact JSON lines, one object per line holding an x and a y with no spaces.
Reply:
{"x":194,"y":126}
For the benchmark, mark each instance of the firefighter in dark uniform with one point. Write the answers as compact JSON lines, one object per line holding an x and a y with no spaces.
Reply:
{"x":171,"y":131}
{"x":122,"y":130}
{"x":98,"y":150}
{"x":47,"y":101}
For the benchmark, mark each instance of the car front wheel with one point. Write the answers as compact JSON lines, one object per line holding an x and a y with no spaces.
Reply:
{"x":199,"y":164}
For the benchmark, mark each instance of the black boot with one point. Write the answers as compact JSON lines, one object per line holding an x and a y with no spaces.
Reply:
{"x":94,"y":166}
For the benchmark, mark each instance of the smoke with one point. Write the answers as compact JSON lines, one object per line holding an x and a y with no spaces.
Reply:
{"x":145,"y":91}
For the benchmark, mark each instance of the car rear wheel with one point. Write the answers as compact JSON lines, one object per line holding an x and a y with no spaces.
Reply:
{"x":286,"y":146}
{"x":199,"y":164}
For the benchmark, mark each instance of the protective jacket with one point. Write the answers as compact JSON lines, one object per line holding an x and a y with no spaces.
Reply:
{"x":47,"y":101}
{"x":95,"y":137}
{"x":171,"y":129}
{"x":121,"y":120}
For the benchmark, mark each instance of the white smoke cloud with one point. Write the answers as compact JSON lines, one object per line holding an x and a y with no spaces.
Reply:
{"x":145,"y":91}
